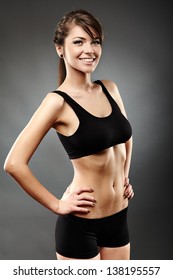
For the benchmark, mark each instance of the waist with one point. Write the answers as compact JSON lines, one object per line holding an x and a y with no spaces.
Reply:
{"x":104,"y":173}
{"x":109,"y":196}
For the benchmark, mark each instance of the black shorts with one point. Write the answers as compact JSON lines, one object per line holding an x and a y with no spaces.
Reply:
{"x":81,"y":238}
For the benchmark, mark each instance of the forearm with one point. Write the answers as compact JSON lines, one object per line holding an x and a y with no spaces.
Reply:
{"x":129,"y":145}
{"x":25,"y":178}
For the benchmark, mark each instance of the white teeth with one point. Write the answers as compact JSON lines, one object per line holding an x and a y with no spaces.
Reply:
{"x":87,"y":59}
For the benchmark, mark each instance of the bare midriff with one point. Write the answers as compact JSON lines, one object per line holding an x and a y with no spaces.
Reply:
{"x":104,"y":173}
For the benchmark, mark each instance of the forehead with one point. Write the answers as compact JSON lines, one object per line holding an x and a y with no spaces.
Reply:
{"x":78,"y":31}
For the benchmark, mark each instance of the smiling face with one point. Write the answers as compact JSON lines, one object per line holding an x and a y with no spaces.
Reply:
{"x":80,"y":51}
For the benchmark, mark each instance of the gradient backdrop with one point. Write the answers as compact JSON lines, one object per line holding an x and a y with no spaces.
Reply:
{"x":137,"y":55}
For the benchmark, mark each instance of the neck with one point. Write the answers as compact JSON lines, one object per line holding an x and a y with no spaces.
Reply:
{"x":79,"y":80}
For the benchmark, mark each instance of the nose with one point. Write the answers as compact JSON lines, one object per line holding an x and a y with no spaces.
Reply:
{"x":88,"y":48}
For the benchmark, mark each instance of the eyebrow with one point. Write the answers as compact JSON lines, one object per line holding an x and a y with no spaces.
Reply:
{"x":82,"y":38}
{"x":78,"y":37}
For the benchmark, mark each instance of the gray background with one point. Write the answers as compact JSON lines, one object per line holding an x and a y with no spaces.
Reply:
{"x":137,"y":55}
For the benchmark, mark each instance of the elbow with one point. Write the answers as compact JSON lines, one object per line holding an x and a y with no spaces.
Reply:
{"x":10,"y":166}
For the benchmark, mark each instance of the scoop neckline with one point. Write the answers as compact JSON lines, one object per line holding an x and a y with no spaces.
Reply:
{"x":73,"y":100}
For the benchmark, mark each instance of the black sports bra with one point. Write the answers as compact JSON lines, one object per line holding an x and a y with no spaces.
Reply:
{"x":95,"y":134}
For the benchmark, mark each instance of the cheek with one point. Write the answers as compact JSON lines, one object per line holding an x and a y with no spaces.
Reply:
{"x":72,"y":54}
{"x":100,"y":52}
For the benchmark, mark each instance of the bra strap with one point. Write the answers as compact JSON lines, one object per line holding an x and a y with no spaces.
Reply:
{"x":75,"y":106}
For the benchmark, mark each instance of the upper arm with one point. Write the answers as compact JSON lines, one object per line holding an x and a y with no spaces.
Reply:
{"x":40,"y":123}
{"x":113,"y":90}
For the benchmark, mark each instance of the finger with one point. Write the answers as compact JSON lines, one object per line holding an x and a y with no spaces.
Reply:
{"x":81,"y":209}
{"x":84,"y":202}
{"x":128,"y":192}
{"x":128,"y":189}
{"x":81,"y":190}
{"x":128,"y":186}
{"x":86,"y":197}
{"x":131,"y":195}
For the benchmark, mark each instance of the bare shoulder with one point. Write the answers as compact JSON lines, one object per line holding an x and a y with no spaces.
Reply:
{"x":53,"y":100}
{"x":49,"y":110}
{"x":113,"y":90}
{"x":52,"y":106}
{"x":109,"y":84}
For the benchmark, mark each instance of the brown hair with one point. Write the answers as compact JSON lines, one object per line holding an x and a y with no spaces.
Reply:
{"x":79,"y":17}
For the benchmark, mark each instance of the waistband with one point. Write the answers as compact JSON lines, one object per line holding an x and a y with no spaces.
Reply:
{"x":97,"y":220}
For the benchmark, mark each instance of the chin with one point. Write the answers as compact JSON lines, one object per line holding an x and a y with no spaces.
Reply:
{"x":88,"y":71}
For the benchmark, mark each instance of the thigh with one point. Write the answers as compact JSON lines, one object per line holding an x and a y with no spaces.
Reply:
{"x":113,"y":231}
{"x":117,"y":253}
{"x":74,"y":240}
{"x":60,"y":257}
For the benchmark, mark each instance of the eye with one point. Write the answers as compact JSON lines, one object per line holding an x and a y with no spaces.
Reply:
{"x":96,"y":42}
{"x":78,"y":42}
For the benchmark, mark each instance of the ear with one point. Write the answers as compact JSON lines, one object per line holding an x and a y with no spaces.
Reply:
{"x":59,"y":49}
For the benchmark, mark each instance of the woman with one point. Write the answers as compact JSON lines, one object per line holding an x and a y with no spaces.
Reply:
{"x":90,"y":120}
